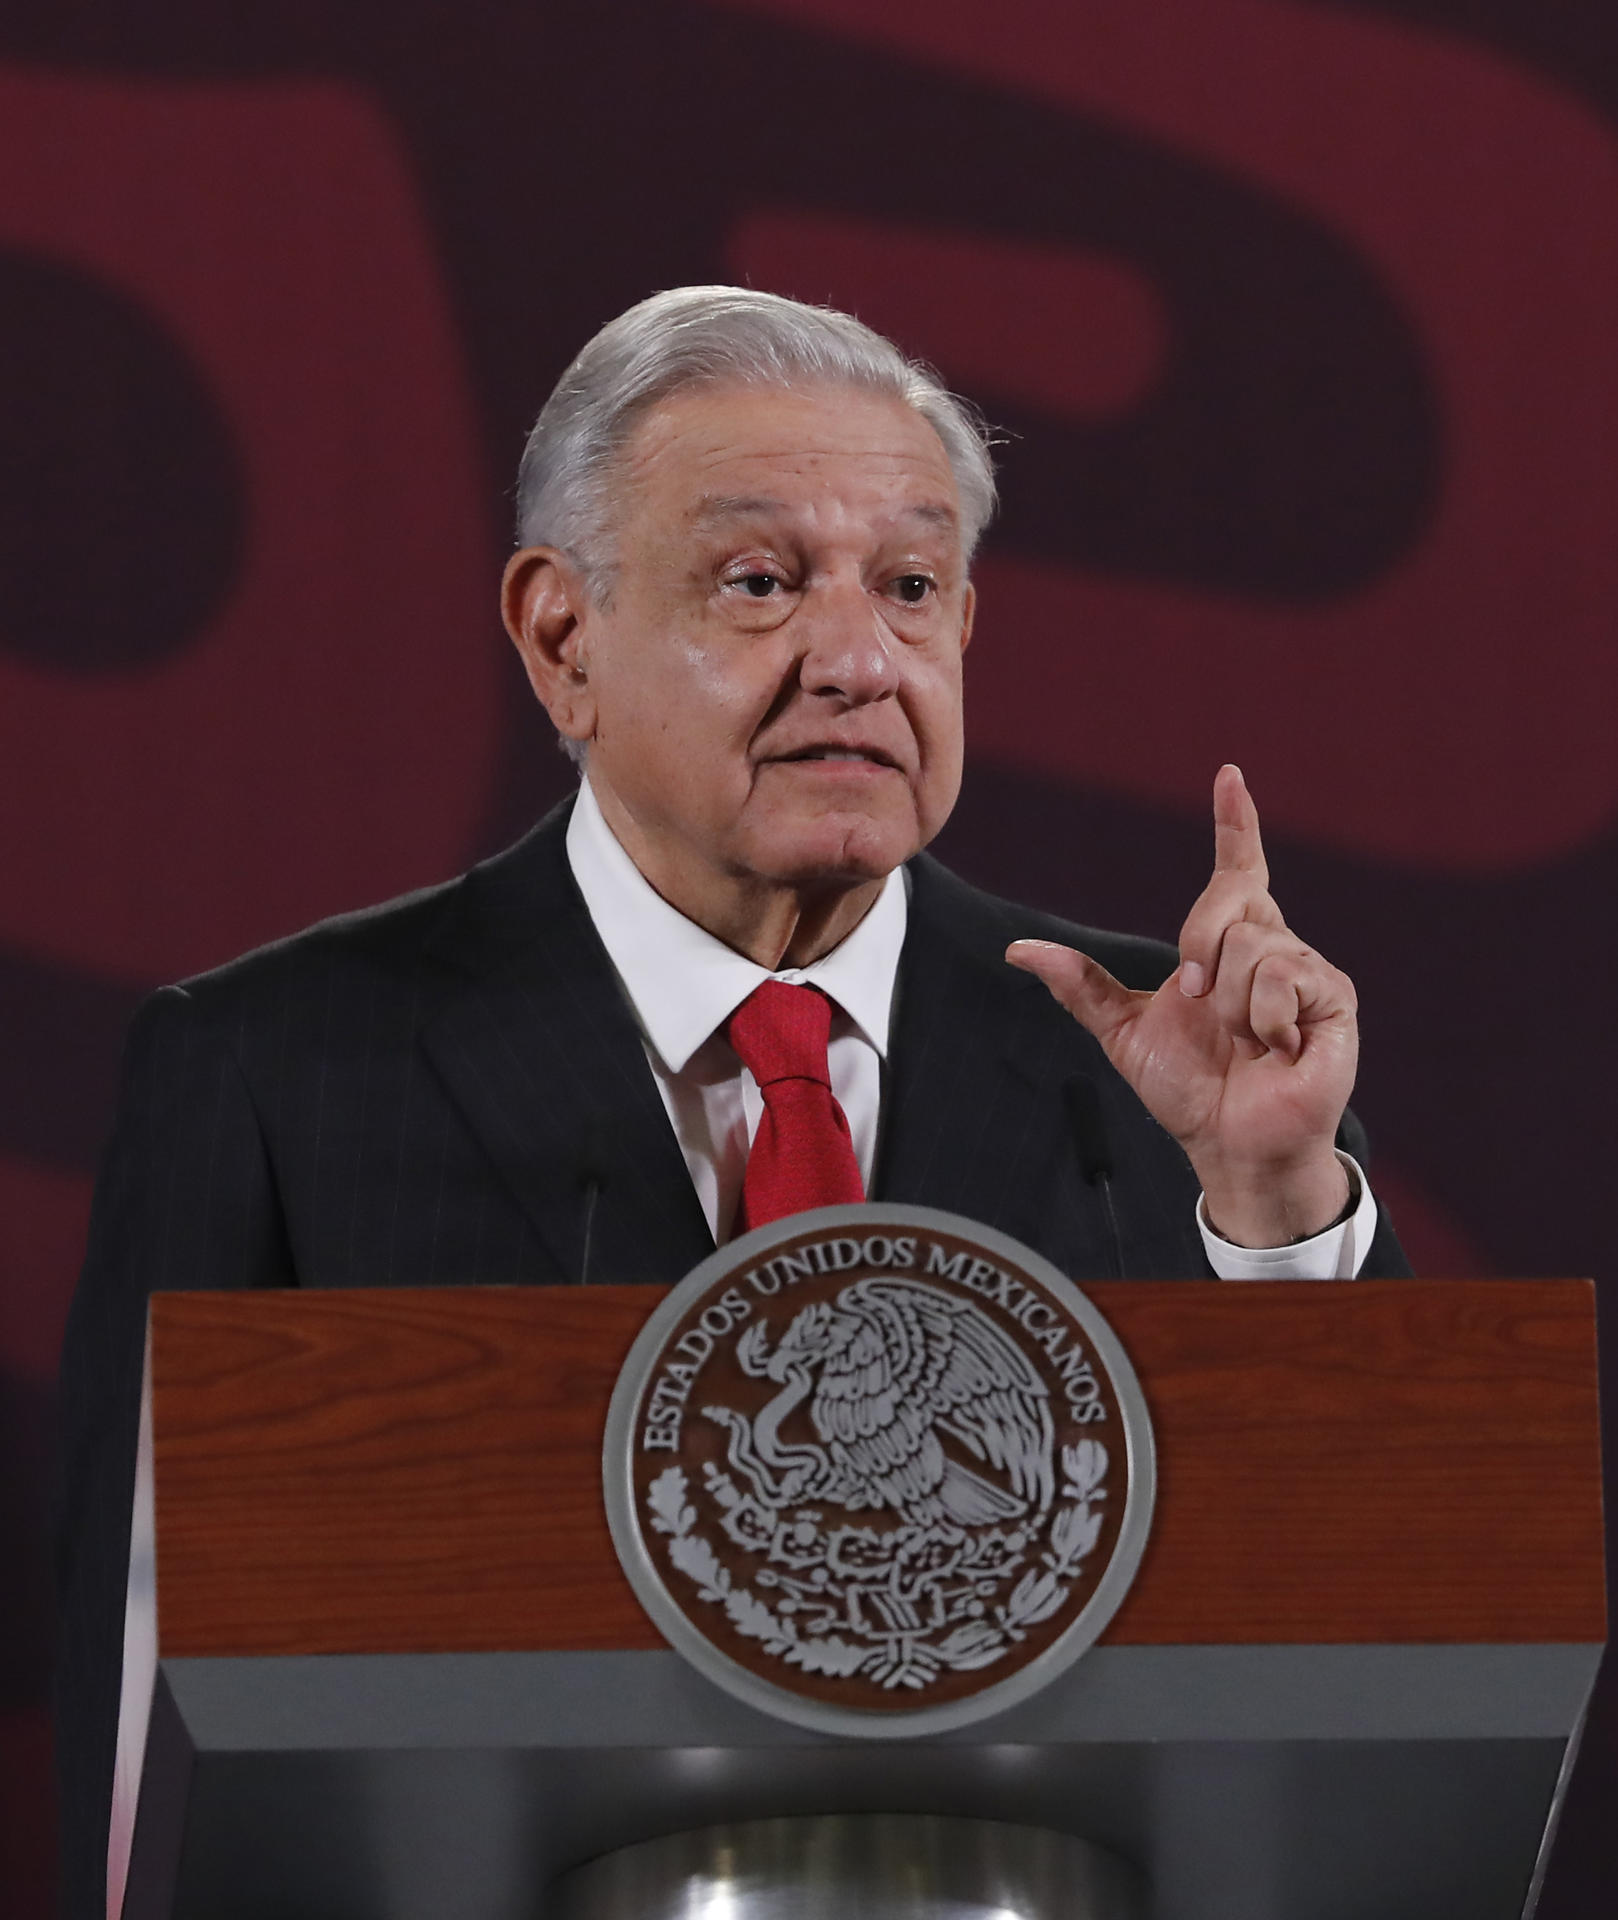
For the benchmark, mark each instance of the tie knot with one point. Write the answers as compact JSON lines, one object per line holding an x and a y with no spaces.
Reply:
{"x":780,"y":1033}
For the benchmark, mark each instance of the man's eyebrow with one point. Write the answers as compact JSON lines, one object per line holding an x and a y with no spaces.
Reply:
{"x":739,"y":506}
{"x":733,"y":506}
{"x":935,"y":515}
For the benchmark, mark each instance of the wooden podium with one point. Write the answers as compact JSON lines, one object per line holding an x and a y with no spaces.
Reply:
{"x":400,"y":1674}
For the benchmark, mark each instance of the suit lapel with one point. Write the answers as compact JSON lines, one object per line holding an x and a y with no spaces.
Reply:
{"x":963,"y":1117}
{"x":975,"y":1119}
{"x":536,"y":1046}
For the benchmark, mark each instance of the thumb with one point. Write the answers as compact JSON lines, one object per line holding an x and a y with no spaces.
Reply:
{"x":1094,"y":998}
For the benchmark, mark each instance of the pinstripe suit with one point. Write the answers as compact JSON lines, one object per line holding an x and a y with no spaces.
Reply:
{"x":410,"y":1097}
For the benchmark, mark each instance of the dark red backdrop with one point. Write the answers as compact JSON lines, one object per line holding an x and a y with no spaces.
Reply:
{"x":1301,"y":321}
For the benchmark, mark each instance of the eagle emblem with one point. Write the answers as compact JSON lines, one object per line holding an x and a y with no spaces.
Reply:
{"x":894,"y":1372}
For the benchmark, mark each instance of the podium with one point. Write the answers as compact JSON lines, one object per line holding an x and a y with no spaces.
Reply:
{"x":400,"y":1673}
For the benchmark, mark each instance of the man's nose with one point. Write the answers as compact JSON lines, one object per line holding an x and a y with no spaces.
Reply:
{"x":851,"y":653}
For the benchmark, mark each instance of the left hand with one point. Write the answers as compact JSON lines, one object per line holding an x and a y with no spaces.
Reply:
{"x":1246,"y":1053}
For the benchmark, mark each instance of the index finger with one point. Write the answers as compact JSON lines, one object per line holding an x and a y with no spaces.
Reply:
{"x":1237,"y":846}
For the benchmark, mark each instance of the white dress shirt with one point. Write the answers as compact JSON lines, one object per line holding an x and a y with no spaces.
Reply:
{"x":682,"y":985}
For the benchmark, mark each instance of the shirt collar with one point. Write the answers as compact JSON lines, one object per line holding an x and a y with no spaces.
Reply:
{"x":682,"y":983}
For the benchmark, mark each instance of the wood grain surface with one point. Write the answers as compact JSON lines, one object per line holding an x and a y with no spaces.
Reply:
{"x":404,"y":1471}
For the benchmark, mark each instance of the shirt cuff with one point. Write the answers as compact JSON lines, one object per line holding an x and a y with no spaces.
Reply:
{"x":1336,"y":1254}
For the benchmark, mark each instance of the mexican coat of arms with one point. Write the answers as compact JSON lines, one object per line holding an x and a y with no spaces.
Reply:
{"x":878,"y":1470}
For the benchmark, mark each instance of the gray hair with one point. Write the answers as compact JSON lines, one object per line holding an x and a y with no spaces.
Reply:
{"x":710,"y":336}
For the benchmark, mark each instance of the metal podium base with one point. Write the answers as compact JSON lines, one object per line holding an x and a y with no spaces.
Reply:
{"x":871,"y":1866}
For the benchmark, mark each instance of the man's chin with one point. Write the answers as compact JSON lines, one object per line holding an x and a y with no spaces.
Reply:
{"x":836,"y":852}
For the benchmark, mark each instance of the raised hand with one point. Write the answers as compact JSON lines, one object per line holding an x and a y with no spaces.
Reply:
{"x":1246,"y":1053}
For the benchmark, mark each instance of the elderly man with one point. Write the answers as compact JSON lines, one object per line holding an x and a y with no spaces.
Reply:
{"x":724,"y":982}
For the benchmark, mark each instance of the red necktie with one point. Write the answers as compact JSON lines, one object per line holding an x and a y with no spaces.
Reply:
{"x":802,"y":1155}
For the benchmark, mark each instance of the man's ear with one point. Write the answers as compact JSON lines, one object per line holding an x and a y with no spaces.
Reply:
{"x":969,"y":609}
{"x":545,"y":603}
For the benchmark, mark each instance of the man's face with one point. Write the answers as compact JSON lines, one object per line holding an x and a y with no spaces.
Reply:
{"x":774,"y":688}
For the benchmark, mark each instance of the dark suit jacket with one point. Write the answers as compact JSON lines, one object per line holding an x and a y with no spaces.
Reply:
{"x":413,"y":1096}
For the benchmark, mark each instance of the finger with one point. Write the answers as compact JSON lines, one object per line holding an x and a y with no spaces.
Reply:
{"x":1095,"y":999}
{"x":1229,"y":900}
{"x":1238,"y":847}
{"x":1274,"y":1006}
{"x":1238,"y":890}
{"x":1272,"y":989}
{"x":1244,"y":947}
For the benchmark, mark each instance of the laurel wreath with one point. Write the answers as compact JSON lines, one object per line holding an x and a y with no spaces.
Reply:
{"x":1039,"y":1593}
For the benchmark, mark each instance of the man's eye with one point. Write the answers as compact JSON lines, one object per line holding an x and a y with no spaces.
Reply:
{"x":912,"y":588}
{"x":757,"y":586}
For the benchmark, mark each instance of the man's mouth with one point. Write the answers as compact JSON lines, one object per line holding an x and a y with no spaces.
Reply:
{"x":871,"y":756}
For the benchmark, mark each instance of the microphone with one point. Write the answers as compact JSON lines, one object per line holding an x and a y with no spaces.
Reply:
{"x":1095,"y":1154}
{"x":592,"y":1180}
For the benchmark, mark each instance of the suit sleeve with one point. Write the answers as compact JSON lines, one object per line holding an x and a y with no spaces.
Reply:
{"x":1385,"y":1258}
{"x":185,"y":1200}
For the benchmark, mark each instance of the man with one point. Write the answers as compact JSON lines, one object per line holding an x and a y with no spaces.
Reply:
{"x":743,"y":596}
